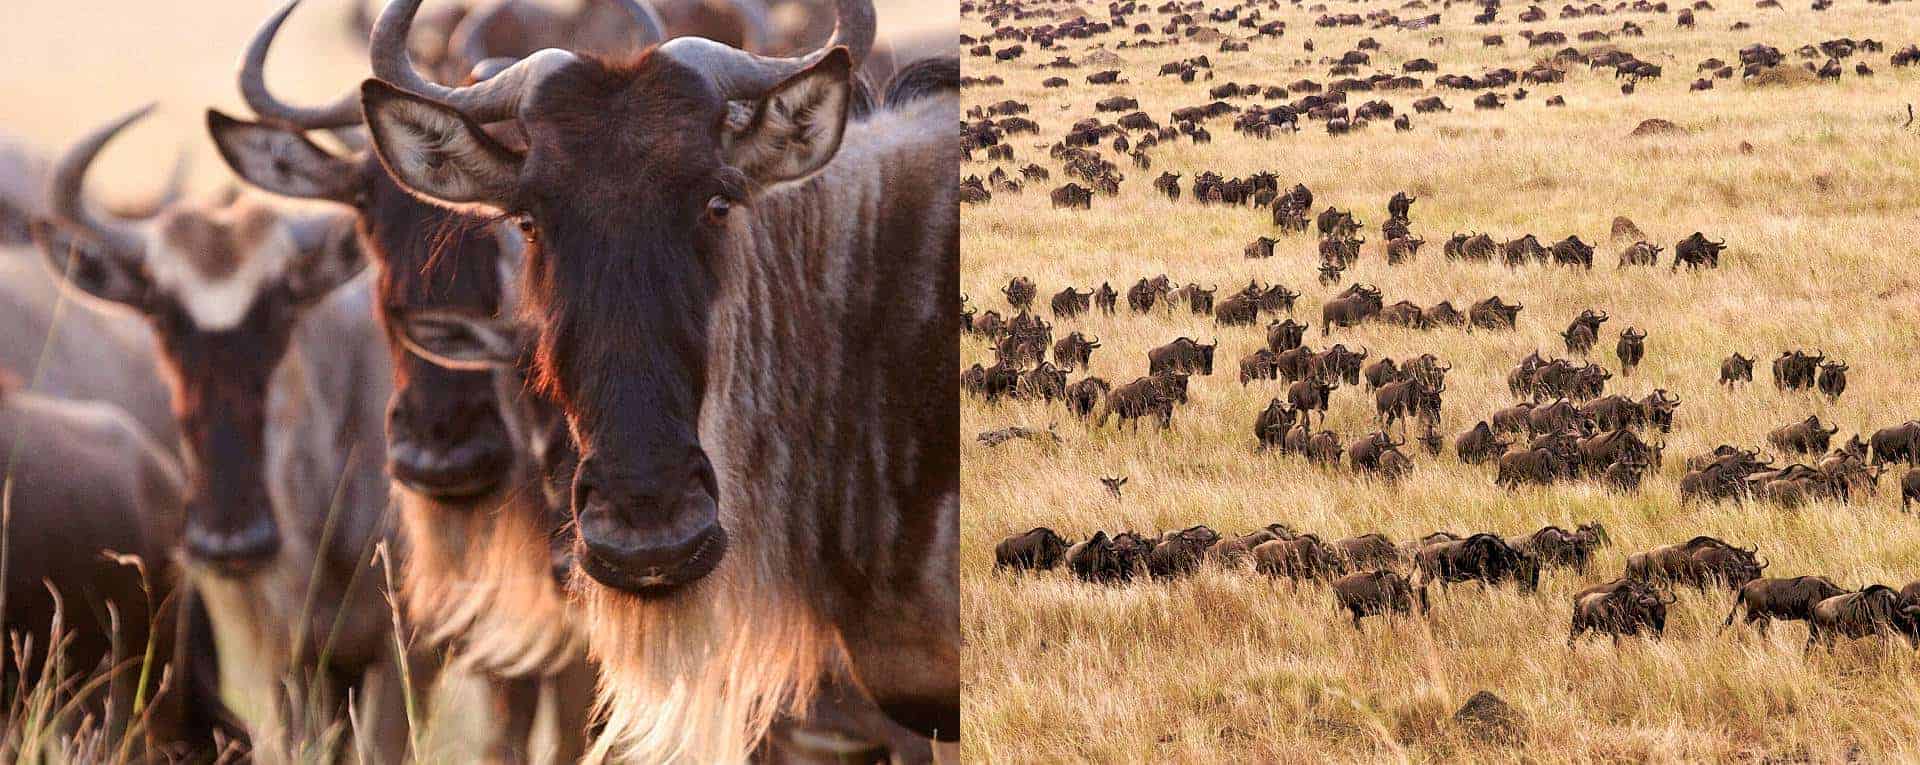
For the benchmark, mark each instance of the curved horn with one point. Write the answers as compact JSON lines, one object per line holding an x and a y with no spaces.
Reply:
{"x":740,"y":75}
{"x":469,"y":37}
{"x":69,"y":207}
{"x":343,"y":112}
{"x":756,"y":26}
{"x":494,"y":100}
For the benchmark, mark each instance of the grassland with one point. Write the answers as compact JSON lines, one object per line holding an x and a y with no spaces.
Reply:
{"x":1224,"y":666}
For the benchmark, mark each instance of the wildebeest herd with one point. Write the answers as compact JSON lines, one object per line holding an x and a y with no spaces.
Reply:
{"x":1370,"y":575}
{"x":553,"y":414}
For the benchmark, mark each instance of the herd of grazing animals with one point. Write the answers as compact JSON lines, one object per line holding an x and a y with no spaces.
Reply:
{"x":664,"y":553}
{"x":1370,"y":574}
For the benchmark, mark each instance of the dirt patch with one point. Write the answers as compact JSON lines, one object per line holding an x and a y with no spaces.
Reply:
{"x":1657,"y":126}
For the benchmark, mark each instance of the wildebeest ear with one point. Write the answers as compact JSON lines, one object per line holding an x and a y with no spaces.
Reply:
{"x":280,"y":160}
{"x":437,"y":152}
{"x":796,"y":129}
{"x":330,"y":255}
{"x":459,"y":340}
{"x":94,"y":270}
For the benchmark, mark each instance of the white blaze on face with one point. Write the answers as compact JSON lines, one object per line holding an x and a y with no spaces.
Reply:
{"x":215,"y":263}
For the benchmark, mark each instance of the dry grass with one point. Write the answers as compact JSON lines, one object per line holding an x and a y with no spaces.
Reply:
{"x":1227,"y":667}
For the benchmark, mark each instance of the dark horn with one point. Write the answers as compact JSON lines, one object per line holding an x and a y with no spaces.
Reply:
{"x":494,"y":100}
{"x":343,"y":112}
{"x":69,"y":207}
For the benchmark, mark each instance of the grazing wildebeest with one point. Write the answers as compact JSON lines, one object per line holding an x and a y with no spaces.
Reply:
{"x":1084,"y":394}
{"x":1069,"y":303}
{"x":1804,"y":437}
{"x":1037,"y":550}
{"x":1736,"y":369}
{"x":1555,"y":546}
{"x":86,"y":480}
{"x":1271,"y":426}
{"x":1697,"y":563}
{"x":279,"y":382}
{"x":1787,"y":599}
{"x":1874,"y":610}
{"x":1183,"y":355}
{"x":1367,"y":593}
{"x":1796,"y":370}
{"x":665,"y":385}
{"x":1631,"y":348}
{"x":1179,"y":553}
{"x":1285,"y":335}
{"x":1483,"y":557}
{"x":1020,"y":292}
{"x":1620,"y":610}
{"x":475,"y":523}
{"x":1493,"y":313}
{"x":1696,"y":252}
{"x":1896,"y":443}
{"x":1301,"y":557}
{"x":1833,"y":379}
{"x":1074,"y":350}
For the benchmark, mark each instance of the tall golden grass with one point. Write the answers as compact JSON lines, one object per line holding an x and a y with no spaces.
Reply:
{"x":1225,"y":666}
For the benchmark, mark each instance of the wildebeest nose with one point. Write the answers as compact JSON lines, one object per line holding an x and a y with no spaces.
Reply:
{"x":650,"y":539}
{"x":234,"y":550}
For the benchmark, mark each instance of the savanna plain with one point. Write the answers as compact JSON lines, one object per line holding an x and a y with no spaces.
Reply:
{"x":1812,"y":182}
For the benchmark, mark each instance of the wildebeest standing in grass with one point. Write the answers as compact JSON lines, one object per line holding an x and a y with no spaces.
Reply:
{"x":1020,"y":292}
{"x":1039,"y":549}
{"x":86,"y":480}
{"x":1788,"y":599}
{"x":1833,"y":379}
{"x":1698,"y":562}
{"x":1069,"y":303}
{"x":1179,"y":553}
{"x":1909,"y":489}
{"x":1105,"y":298}
{"x":1151,"y":395}
{"x":1303,"y":557}
{"x":1631,"y":348}
{"x":1617,"y":611}
{"x":680,"y":452}
{"x":1183,"y":355}
{"x":1271,"y":425}
{"x":1803,"y":437}
{"x":1084,"y":394}
{"x":280,"y":382}
{"x":1874,"y":610}
{"x":1555,"y":546}
{"x":1899,"y":443}
{"x":1367,"y":593}
{"x":1697,"y":252}
{"x":1482,"y":557}
{"x":1736,"y":369}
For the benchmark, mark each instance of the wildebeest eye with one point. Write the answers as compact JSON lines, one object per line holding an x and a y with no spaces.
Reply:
{"x":526,"y":226}
{"x":717,"y":208}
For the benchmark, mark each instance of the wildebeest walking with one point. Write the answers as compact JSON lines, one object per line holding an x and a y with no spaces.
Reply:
{"x":1367,"y":593}
{"x":1625,"y":609}
{"x":1039,"y":549}
{"x":1736,"y":369}
{"x":672,"y":488}
{"x":1788,"y":599}
{"x":1631,"y":348}
{"x":1874,"y":610}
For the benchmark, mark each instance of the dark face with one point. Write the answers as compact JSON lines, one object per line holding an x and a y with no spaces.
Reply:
{"x":631,"y":292}
{"x":220,"y":380}
{"x":446,"y":437}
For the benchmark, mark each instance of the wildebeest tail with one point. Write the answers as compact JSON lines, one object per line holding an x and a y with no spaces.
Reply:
{"x":922,"y":78}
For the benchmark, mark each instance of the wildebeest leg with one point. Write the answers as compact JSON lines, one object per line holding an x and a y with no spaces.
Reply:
{"x":516,"y":701}
{"x":1760,"y":623}
{"x":1356,"y":616}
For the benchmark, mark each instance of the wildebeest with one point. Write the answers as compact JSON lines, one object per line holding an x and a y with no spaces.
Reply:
{"x":1909,"y":489}
{"x":1696,"y":252}
{"x":1301,"y":557}
{"x":1105,"y":298}
{"x":1020,"y":292}
{"x":1153,"y":395}
{"x":1106,"y":560}
{"x":1896,"y":443}
{"x":1479,"y":444}
{"x":1736,"y":369}
{"x":1804,"y":437}
{"x":1180,"y":552}
{"x":659,"y":448}
{"x":1404,"y":400}
{"x":1037,"y":550}
{"x":1555,"y":546}
{"x":1084,"y":394}
{"x":1483,"y":557}
{"x":1641,"y":253}
{"x":1352,"y":306}
{"x":1069,"y":303}
{"x":1788,"y":599}
{"x":243,"y":303}
{"x":1697,"y":563}
{"x":1623,"y":609}
{"x":86,"y":479}
{"x":1797,"y":370}
{"x":1183,"y":355}
{"x":1536,"y":465}
{"x":1113,"y":484}
{"x":1141,"y":296}
{"x":1631,"y":348}
{"x":1074,"y":350}
{"x":1367,"y":593}
{"x":1833,"y":379}
{"x":1285,"y":335}
{"x":1368,"y":551}
{"x":1271,"y":425}
{"x":1493,"y":313}
{"x":1311,"y":395}
{"x":1874,"y":610}
{"x":1072,"y":195}
{"x":472,"y":508}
